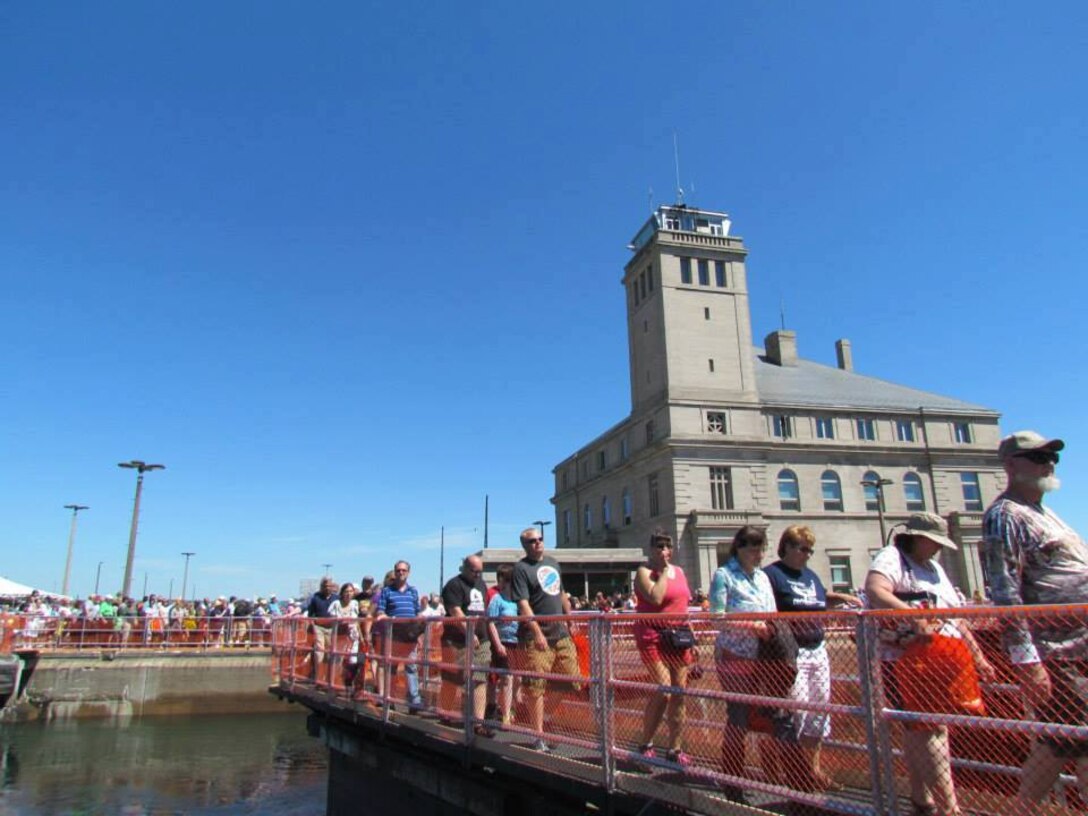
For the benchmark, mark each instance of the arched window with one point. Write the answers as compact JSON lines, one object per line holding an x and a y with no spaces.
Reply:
{"x":873,"y":494}
{"x":588,"y":515}
{"x":606,"y":511}
{"x":628,"y":510}
{"x":789,"y":494}
{"x":912,"y":492}
{"x":831,"y":487}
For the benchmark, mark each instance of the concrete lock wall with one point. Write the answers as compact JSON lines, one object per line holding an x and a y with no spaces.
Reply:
{"x":121,"y":685}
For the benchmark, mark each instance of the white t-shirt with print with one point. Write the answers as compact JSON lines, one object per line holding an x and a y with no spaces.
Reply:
{"x":907,"y":575}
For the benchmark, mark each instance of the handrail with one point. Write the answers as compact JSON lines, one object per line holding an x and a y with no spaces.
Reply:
{"x":44,"y":633}
{"x":600,"y":710}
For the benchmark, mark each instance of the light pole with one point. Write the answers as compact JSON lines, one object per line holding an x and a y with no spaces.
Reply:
{"x":326,"y":568}
{"x":879,"y":485}
{"x":141,"y":468}
{"x":185,"y":575}
{"x":540,"y":523}
{"x":97,"y":575}
{"x":75,"y":508}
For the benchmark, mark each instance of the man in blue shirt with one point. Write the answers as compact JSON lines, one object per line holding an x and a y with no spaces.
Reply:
{"x":318,"y":607}
{"x":401,"y":600}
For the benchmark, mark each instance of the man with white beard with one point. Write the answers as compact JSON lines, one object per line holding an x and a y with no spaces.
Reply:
{"x":1033,"y":557}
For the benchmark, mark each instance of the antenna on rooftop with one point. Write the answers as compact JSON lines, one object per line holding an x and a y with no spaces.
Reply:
{"x":782,"y":312}
{"x":676,"y":159}
{"x":650,"y":198}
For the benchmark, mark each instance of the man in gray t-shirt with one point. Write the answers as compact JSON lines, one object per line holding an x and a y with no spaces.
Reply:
{"x":543,"y":646}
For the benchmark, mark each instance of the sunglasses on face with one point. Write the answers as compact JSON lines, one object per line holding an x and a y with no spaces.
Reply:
{"x":806,"y":550}
{"x":534,"y":540}
{"x":1039,"y":457}
{"x":662,"y":545}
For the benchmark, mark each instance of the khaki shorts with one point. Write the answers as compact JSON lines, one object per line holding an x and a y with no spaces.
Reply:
{"x":322,"y":636}
{"x":559,"y":658}
{"x":455,"y":653}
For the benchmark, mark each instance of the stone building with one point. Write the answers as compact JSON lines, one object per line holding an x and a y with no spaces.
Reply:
{"x":722,"y":433}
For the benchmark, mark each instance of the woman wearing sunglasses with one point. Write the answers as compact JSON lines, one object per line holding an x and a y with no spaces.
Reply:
{"x":666,"y":646}
{"x":798,"y":589}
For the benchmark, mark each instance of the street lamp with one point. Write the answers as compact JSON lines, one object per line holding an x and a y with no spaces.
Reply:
{"x":540,"y":523}
{"x":97,"y":575}
{"x":185,"y":575}
{"x":878,"y":484}
{"x":141,"y":468}
{"x":75,"y":508}
{"x":326,"y":568}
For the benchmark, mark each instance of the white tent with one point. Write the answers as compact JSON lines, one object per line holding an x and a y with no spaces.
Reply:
{"x":11,"y":588}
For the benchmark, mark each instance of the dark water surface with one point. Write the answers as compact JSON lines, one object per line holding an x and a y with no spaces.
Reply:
{"x":246,"y":764}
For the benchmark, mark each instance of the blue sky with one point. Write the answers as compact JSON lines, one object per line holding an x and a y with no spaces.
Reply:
{"x":341,"y":267}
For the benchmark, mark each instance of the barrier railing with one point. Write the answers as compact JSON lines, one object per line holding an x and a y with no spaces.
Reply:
{"x":48,"y":634}
{"x":847,"y":712}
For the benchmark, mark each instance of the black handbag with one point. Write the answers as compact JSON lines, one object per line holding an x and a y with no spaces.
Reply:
{"x":680,"y":637}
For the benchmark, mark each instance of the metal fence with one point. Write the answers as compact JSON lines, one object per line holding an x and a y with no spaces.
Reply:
{"x":859,"y":713}
{"x":42,"y":633}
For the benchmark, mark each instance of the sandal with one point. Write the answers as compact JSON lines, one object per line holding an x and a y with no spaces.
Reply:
{"x":647,"y":751}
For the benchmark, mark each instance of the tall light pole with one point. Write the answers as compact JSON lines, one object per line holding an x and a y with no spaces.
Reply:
{"x":879,"y":485}
{"x":185,"y":575}
{"x":75,"y":508}
{"x":141,"y":468}
{"x":97,"y":575}
{"x":540,"y":523}
{"x":326,"y":568}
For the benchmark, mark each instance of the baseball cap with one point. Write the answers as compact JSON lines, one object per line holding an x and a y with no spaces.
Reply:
{"x":1023,"y":441}
{"x":931,"y":526}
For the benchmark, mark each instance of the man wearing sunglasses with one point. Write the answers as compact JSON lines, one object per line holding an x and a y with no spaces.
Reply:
{"x":1033,"y":557}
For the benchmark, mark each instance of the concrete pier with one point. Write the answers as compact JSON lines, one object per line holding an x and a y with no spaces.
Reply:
{"x":135,"y":684}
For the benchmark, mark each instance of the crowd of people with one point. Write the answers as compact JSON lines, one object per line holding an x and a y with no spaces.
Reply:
{"x":1029,"y":554}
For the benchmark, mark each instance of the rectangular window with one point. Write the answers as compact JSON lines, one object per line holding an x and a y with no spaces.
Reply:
{"x":634,"y":291}
{"x":567,"y":525}
{"x":642,"y":285}
{"x":651,"y":483}
{"x":710,"y":364}
{"x":649,"y":432}
{"x":606,"y":512}
{"x":706,"y":313}
{"x":625,"y":449}
{"x":685,"y":270}
{"x":602,"y":459}
{"x":972,"y":494}
{"x":628,"y":509}
{"x":719,"y":273}
{"x":825,"y":428}
{"x":721,"y":488}
{"x":842,"y":579}
{"x":781,"y":426}
{"x":904,"y":430}
{"x":866,"y":430}
{"x":715,"y":422}
{"x":587,"y":514}
{"x":672,"y":222}
{"x":963,"y":432}
{"x":650,"y":277}
{"x":704,"y":272}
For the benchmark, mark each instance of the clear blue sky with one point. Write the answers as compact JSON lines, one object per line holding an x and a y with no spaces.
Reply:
{"x":340,"y":267}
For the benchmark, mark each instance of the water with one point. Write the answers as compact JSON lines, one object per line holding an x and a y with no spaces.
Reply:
{"x":246,"y":764}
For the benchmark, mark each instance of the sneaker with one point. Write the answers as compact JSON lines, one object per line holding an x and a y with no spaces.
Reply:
{"x":540,"y":745}
{"x":482,"y":730}
{"x":678,"y":757}
{"x":647,"y":751}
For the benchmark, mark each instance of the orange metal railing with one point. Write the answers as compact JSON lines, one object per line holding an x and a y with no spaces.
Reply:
{"x":46,"y":633}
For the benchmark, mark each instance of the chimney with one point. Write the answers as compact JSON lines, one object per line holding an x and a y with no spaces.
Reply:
{"x":781,"y":347}
{"x":844,"y":355}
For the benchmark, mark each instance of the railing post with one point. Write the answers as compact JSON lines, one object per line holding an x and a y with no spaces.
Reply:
{"x":601,"y":693}
{"x":386,"y":668}
{"x":881,"y":759}
{"x":468,"y":693}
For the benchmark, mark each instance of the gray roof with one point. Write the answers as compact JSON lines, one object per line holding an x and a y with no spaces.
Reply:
{"x":810,"y":383}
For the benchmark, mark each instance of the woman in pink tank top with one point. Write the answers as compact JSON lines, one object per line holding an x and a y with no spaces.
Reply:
{"x":662,"y":589}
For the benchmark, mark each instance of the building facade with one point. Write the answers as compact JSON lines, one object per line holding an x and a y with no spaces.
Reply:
{"x":722,"y":433}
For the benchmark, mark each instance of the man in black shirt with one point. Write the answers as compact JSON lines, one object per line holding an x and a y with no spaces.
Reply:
{"x":318,"y":607}
{"x":465,"y":596}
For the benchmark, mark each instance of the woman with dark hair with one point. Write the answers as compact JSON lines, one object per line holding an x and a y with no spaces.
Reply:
{"x":666,"y":646}
{"x":907,"y":575}
{"x":740,"y":585}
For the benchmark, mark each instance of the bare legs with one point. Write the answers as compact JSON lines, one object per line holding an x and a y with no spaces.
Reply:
{"x":663,"y":704}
